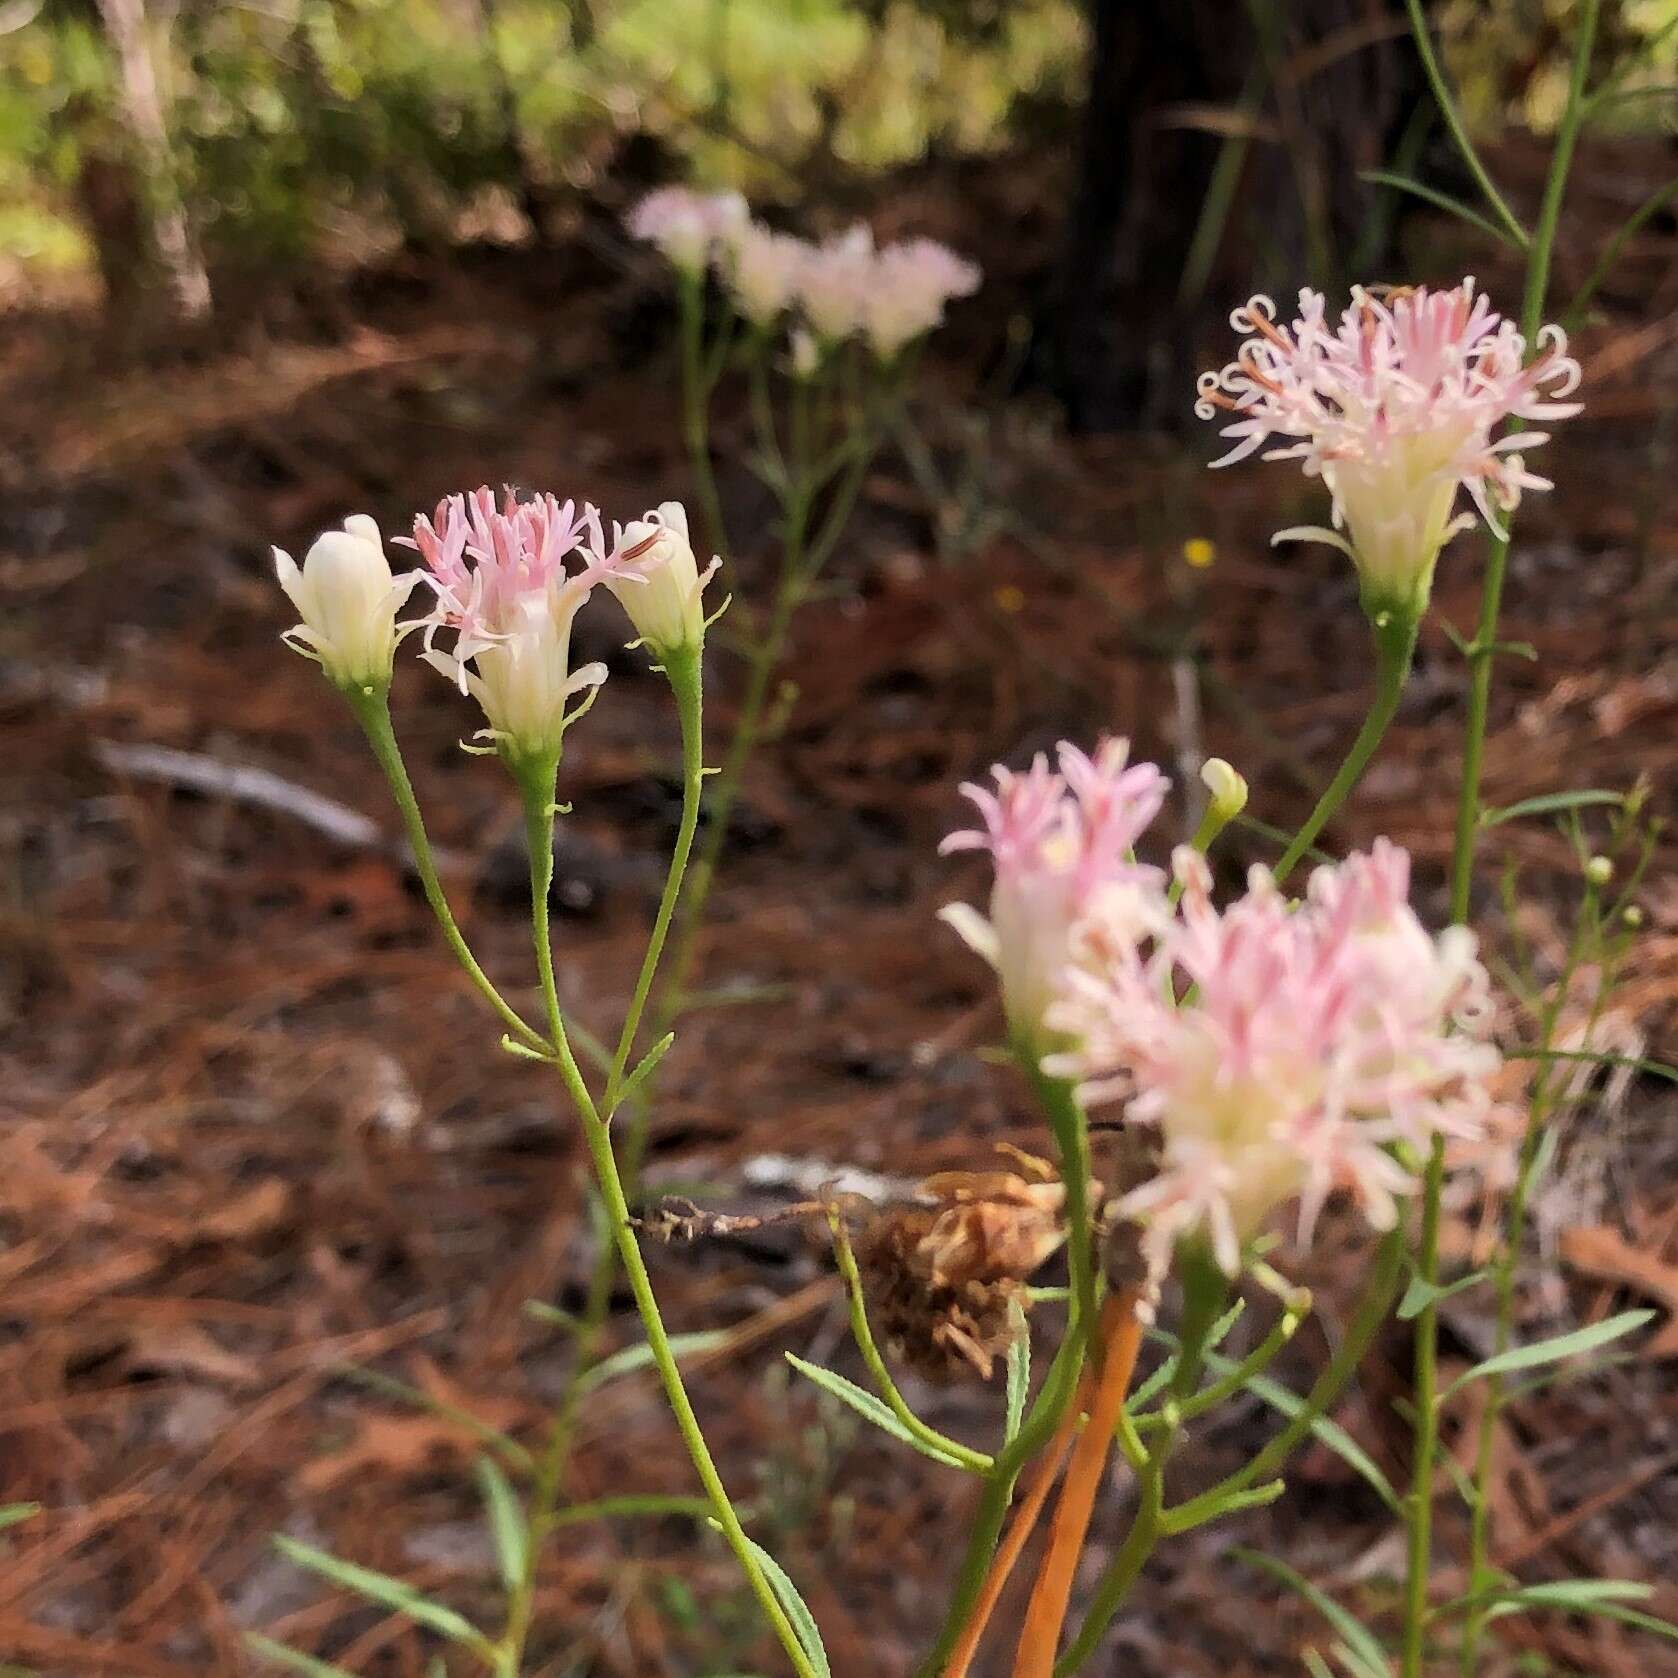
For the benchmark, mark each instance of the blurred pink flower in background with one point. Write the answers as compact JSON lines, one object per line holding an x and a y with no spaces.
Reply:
{"x":693,"y":229}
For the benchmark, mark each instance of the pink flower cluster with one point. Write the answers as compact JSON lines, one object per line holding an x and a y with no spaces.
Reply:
{"x":1282,"y":1052}
{"x":1059,"y":843}
{"x":1395,"y":407}
{"x":838,"y":289}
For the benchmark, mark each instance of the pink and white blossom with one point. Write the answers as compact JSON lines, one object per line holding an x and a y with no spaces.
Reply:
{"x":1283,"y":1052}
{"x":1058,"y":841}
{"x":835,"y":285}
{"x":765,"y":272}
{"x":502,"y":586}
{"x":348,"y":600}
{"x":1396,"y":407}
{"x":913,"y":281}
{"x":693,"y":229}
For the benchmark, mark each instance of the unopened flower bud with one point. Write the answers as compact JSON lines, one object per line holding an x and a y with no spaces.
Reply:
{"x":1599,"y":870}
{"x":348,"y":601}
{"x":1228,"y":789}
{"x":1632,"y":916}
{"x":656,"y":579}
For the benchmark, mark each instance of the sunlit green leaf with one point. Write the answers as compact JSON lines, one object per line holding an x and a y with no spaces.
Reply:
{"x":293,"y":1659}
{"x":867,"y":1406}
{"x":1422,"y":1293}
{"x":12,"y":1513}
{"x":797,"y":1610}
{"x":383,"y":1589}
{"x":1362,"y":1647}
{"x":1562,"y":1346}
{"x":640,"y":1356}
{"x":1019,"y":1371}
{"x":1439,"y":200}
{"x":1550,"y":804}
{"x":506,"y":1522}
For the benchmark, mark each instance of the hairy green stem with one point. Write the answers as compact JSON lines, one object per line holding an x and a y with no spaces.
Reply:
{"x":536,"y":785}
{"x":1484,"y":650}
{"x":1395,"y":647}
{"x":372,"y":711}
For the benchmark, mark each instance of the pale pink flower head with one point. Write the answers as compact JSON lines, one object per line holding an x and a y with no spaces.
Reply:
{"x":1396,"y":407}
{"x":1282,"y":1052}
{"x":1058,"y":842}
{"x":836,"y":283}
{"x":652,"y":572}
{"x":693,"y":229}
{"x":913,"y":280}
{"x":764,"y":273}
{"x":502,"y":586}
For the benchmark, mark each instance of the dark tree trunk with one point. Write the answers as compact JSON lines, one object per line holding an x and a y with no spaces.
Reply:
{"x":1313,"y":90}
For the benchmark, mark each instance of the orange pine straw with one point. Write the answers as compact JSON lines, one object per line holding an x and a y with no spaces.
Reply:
{"x":1119,"y":1336}
{"x":1025,"y":1519}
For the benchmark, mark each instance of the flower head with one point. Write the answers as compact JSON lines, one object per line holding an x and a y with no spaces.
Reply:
{"x":1058,"y":842}
{"x":764,"y":273}
{"x":652,"y":571}
{"x":1394,"y":407}
{"x":912,"y":282}
{"x":693,"y":229}
{"x":502,"y":586}
{"x":1307,"y":1043}
{"x":348,"y":601}
{"x":836,"y":282}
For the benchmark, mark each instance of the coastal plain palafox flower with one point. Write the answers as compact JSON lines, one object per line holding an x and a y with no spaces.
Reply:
{"x":692,"y":229}
{"x":1280,"y":1052}
{"x":764,"y":272}
{"x":913,"y":281}
{"x":1057,"y":841}
{"x":503,"y":588}
{"x":652,"y":572}
{"x":1396,"y":407}
{"x":348,"y":600}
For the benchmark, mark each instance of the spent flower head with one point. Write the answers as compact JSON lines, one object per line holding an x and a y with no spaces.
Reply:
{"x":348,"y":600}
{"x":1058,"y":841}
{"x":503,"y":587}
{"x":1282,"y":1051}
{"x":1395,"y":407}
{"x":652,"y":572}
{"x":693,"y":229}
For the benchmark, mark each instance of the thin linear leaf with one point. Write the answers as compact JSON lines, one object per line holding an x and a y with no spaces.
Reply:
{"x":1356,"y":1664}
{"x":1316,"y":1665}
{"x":12,"y":1513}
{"x":1550,"y":804}
{"x":554,"y":1315}
{"x":1601,"y":1610}
{"x":1197,"y":1512}
{"x":1019,"y":1371}
{"x":1439,"y":200}
{"x":648,"y":1063}
{"x":295,"y":1660}
{"x":870,"y":1408}
{"x":797,"y":1610}
{"x":1562,"y":1346}
{"x":1363,"y":1651}
{"x":1422,"y":1293}
{"x":382,"y":1588}
{"x":1654,"y":1068}
{"x":1605,"y":1598}
{"x":640,"y":1356}
{"x":507,"y":1522}
{"x":1335,"y":1437}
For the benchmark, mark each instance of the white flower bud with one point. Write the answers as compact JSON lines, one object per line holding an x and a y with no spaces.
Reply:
{"x":656,"y":579}
{"x":348,"y":601}
{"x":1228,"y":789}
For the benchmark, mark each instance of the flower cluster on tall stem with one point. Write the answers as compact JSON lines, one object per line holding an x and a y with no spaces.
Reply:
{"x":1397,"y":407}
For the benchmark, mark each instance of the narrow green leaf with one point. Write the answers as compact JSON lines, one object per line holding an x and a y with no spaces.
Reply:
{"x":555,"y":1315}
{"x":1422,"y":1293}
{"x":1338,"y":1440}
{"x":1363,"y":1651}
{"x":1653,"y":1068}
{"x":1562,"y":1346}
{"x":1198,"y":1512}
{"x":1439,"y":200}
{"x":507,"y":1522}
{"x":640,"y":1356}
{"x":1605,"y":1598}
{"x":797,"y":1610}
{"x":1019,"y":1371}
{"x":649,"y":1061}
{"x":383,"y":1589}
{"x":12,"y":1513}
{"x":867,"y":1406}
{"x":1358,"y":1665}
{"x":1316,"y":1665}
{"x":1550,"y":804}
{"x":292,"y":1659}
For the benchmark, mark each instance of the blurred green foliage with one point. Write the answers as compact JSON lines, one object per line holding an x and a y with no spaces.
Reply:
{"x":295,"y":121}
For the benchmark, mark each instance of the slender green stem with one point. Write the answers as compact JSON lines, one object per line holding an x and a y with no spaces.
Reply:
{"x":536,"y":785}
{"x":1484,"y":650}
{"x":696,"y":428}
{"x":682,"y":670}
{"x":1071,"y":1134}
{"x":372,"y":711}
{"x":1479,"y":1538}
{"x":1453,"y":120}
{"x":1395,"y":647}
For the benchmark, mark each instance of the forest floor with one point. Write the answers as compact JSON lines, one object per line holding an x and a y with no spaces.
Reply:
{"x":254,"y":1132}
